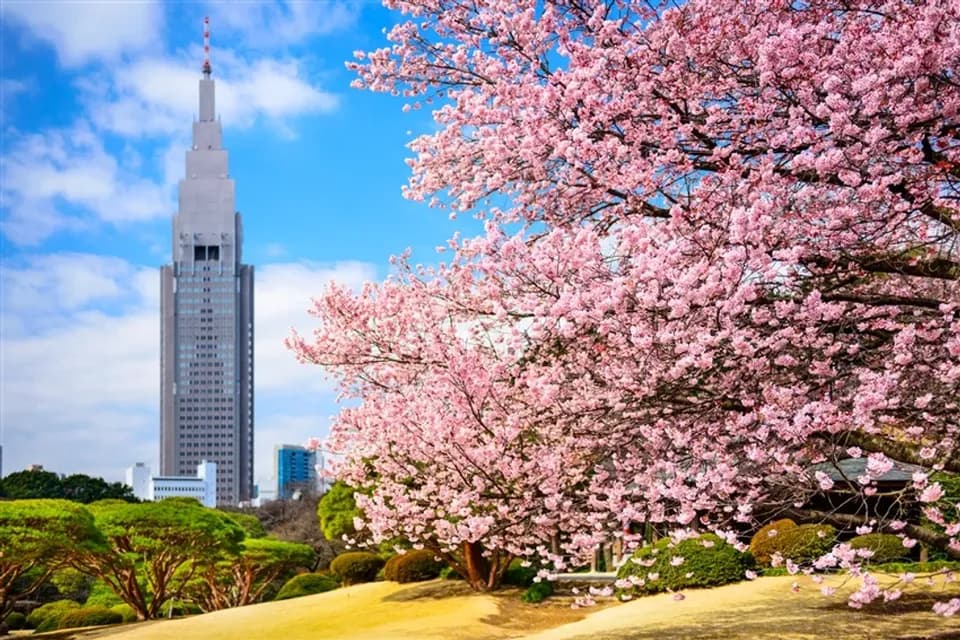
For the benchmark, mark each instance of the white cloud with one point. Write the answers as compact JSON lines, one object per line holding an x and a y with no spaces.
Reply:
{"x":79,"y":361}
{"x":266,"y":24}
{"x":44,"y":171}
{"x":10,"y":88}
{"x":158,"y":96}
{"x":283,"y":295}
{"x":85,"y":31}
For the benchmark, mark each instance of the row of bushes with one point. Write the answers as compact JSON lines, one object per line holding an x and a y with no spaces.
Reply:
{"x":67,"y":614}
{"x":806,"y":542}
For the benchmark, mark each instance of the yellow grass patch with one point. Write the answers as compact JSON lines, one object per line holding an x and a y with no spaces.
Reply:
{"x":768,"y":608}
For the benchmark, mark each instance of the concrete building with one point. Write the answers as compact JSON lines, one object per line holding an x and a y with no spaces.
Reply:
{"x":206,"y":338}
{"x":138,"y":479}
{"x":295,"y":470}
{"x":203,"y":486}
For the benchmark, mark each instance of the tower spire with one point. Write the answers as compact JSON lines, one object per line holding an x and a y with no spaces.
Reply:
{"x":206,"y":47}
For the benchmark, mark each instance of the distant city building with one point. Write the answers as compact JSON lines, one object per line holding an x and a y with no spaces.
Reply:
{"x":203,"y":486}
{"x":266,"y":492}
{"x":295,"y":470}
{"x":138,"y":479}
{"x":206,"y":307}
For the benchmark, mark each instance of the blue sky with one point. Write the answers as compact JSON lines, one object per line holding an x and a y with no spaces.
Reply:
{"x":96,"y":100}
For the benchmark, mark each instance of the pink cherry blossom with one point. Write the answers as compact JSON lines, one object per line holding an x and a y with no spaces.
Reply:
{"x":719,"y":254}
{"x":931,"y":493}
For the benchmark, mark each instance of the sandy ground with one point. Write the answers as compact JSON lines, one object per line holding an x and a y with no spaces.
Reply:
{"x":765,"y":609}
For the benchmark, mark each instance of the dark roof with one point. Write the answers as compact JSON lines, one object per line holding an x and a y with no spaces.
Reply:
{"x":852,"y":468}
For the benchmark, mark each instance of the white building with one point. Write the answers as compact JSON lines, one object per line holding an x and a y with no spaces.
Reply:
{"x":203,"y":487}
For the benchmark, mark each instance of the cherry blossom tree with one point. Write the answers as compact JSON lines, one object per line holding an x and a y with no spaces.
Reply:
{"x":721,"y":248}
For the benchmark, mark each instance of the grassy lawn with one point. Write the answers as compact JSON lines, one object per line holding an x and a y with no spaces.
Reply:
{"x":765,"y":609}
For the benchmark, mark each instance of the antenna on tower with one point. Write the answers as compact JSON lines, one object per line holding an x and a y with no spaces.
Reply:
{"x":206,"y":47}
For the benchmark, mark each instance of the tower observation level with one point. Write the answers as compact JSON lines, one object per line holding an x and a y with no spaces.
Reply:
{"x":206,"y":306}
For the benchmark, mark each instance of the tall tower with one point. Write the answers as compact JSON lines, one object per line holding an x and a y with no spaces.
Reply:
{"x":206,"y":307}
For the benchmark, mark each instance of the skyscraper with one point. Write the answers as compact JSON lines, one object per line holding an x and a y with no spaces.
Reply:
{"x":295,"y":470}
{"x":206,"y":307}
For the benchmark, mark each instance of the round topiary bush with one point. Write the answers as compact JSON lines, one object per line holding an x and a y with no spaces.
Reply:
{"x":807,"y":542}
{"x":356,"y":567}
{"x":126,"y":611}
{"x":798,"y":543}
{"x":390,"y":568}
{"x":307,"y":584}
{"x":46,"y":617}
{"x":763,"y":544}
{"x":15,"y":620}
{"x":415,"y":566}
{"x":886,"y":547}
{"x":89,"y":617}
{"x":705,"y":561}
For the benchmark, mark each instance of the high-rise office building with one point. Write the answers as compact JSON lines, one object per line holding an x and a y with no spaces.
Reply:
{"x":206,"y":306}
{"x":295,"y":470}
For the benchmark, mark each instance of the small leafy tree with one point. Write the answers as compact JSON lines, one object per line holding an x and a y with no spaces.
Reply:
{"x":32,"y":484}
{"x":245,"y":579}
{"x":37,"y":537}
{"x":155,"y":548}
{"x":251,"y":524}
{"x":86,"y":489}
{"x":336,"y":510}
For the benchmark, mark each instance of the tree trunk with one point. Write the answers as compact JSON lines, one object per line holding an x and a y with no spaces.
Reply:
{"x":477,"y":567}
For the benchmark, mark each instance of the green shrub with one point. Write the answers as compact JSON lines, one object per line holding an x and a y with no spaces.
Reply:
{"x":389,"y":570}
{"x":917,"y":567}
{"x":126,"y":611}
{"x":307,"y":584}
{"x":415,"y":566}
{"x":15,"y":620}
{"x":518,"y":575}
{"x":763,"y":544}
{"x":101,"y":595}
{"x":356,"y":567}
{"x":449,"y":573}
{"x":886,"y":547}
{"x":707,"y":561}
{"x":798,"y":543}
{"x":51,"y":611}
{"x":538,"y":592}
{"x":89,"y":617}
{"x":807,"y":542}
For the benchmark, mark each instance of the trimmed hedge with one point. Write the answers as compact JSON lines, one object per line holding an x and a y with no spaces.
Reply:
{"x":763,"y":543}
{"x":356,"y":567}
{"x":307,"y":584}
{"x":126,"y":611}
{"x":15,"y":620}
{"x":389,"y":570}
{"x":416,"y":566}
{"x":707,"y":561}
{"x":798,"y":543}
{"x":89,"y":617}
{"x":886,"y":547}
{"x":46,"y":617}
